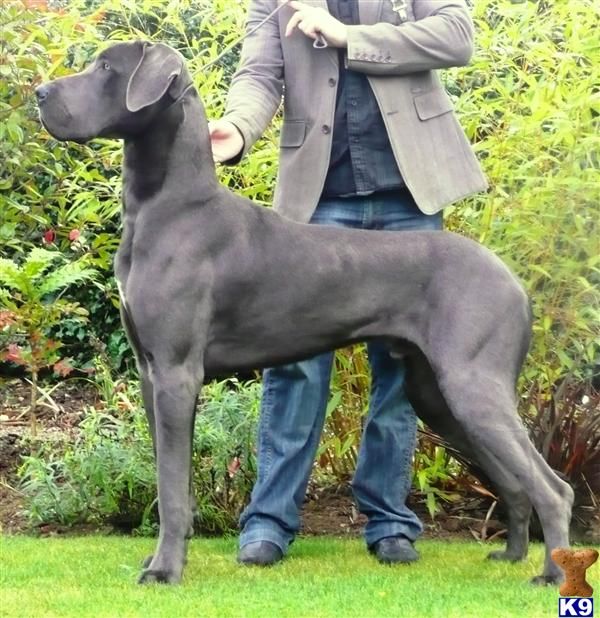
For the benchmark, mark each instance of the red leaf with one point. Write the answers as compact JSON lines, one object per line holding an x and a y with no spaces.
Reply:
{"x":7,"y":318}
{"x":42,"y":5}
{"x":13,"y":354}
{"x":62,"y":368}
{"x":49,"y":236}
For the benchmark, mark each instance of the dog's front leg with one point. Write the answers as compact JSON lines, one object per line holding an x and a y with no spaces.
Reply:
{"x":175,"y":391}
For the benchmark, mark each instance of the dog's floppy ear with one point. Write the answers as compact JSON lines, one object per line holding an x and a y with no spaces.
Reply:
{"x":154,"y":74}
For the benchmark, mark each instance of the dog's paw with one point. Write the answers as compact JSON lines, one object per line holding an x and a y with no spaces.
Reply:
{"x":159,"y":576}
{"x":546,"y":580}
{"x":505,"y":556}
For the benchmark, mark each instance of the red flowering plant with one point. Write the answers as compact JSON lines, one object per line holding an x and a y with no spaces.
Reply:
{"x":31,"y":302}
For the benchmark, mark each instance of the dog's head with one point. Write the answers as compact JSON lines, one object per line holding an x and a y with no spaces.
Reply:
{"x":116,"y":96}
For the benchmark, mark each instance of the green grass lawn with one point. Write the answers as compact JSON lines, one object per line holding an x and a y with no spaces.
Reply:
{"x":95,"y":576}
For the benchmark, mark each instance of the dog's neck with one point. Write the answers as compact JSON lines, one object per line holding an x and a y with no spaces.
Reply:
{"x":173,"y":157}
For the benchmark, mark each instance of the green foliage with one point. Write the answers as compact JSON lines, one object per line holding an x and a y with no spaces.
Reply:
{"x":434,"y":471}
{"x":338,"y":450}
{"x":224,"y":460}
{"x":107,"y":474}
{"x":64,"y":196}
{"x":47,"y":187}
{"x":29,"y":285}
{"x":530,"y":101}
{"x":31,"y":303}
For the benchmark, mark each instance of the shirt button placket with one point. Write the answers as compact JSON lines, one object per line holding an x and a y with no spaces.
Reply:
{"x":354,"y":141}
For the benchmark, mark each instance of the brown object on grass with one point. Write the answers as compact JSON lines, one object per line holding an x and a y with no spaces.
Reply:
{"x":575,"y":562}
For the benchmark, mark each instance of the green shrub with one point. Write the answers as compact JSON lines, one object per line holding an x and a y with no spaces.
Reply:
{"x":224,"y":459}
{"x":67,"y":190}
{"x":107,"y":474}
{"x":347,"y":406}
{"x":31,"y":297}
{"x":530,"y":101}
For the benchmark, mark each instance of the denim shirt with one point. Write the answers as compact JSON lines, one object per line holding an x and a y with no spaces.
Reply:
{"x":362,"y":160}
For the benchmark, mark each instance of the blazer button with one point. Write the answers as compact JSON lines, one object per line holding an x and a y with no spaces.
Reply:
{"x":326,"y":129}
{"x":331,"y":81}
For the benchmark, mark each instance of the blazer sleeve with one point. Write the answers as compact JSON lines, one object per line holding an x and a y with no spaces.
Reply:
{"x":257,"y":86}
{"x":441,"y":36}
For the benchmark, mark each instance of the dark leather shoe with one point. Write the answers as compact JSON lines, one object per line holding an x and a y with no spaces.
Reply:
{"x":260,"y":553}
{"x":394,"y":549}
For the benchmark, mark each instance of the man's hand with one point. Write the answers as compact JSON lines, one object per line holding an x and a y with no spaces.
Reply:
{"x":315,"y":20}
{"x":225,"y":139}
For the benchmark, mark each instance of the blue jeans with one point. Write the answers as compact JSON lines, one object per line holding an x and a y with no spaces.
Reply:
{"x":293,"y":410}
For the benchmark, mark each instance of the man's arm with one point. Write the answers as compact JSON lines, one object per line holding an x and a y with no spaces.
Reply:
{"x":257,"y":86}
{"x":441,"y":36}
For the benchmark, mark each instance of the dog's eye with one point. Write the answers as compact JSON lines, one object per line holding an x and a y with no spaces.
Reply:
{"x":105,"y":65}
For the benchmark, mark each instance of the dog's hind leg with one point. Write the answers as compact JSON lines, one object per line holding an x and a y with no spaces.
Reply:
{"x":429,"y":404}
{"x":485,"y":409}
{"x":516,"y":502}
{"x":175,"y":391}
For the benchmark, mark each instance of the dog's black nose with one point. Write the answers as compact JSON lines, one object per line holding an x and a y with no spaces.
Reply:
{"x":41,"y":92}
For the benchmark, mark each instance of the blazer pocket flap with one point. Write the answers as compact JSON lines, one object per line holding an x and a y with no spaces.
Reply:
{"x":292,"y":133}
{"x":432,"y":104}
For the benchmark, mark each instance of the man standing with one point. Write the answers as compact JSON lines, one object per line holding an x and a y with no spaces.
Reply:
{"x":369,"y":140}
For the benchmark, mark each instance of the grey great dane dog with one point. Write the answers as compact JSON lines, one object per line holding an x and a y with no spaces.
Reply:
{"x":211,"y":283}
